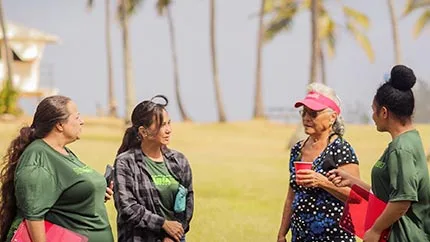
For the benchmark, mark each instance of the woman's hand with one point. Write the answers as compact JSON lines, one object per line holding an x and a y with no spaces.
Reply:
{"x":340,"y":178}
{"x":174,"y":229}
{"x":109,"y":192}
{"x":371,"y":236}
{"x":310,"y":178}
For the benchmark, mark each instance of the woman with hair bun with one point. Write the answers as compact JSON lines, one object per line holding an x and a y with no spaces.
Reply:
{"x":400,"y":177}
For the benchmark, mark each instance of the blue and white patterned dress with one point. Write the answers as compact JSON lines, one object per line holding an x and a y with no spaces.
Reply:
{"x":315,"y":212}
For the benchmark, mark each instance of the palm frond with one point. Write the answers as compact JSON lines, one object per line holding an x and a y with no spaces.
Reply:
{"x":277,"y":25}
{"x":412,"y":5}
{"x":282,"y":20}
{"x":362,"y":40}
{"x":359,"y":17}
{"x":327,"y":33}
{"x":421,"y":23}
{"x":132,"y":6}
{"x":162,"y":5}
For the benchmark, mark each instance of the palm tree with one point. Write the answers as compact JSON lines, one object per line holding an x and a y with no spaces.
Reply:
{"x":111,"y":96}
{"x":126,"y":9}
{"x":315,"y":46}
{"x":258,"y":98}
{"x":164,"y":5}
{"x":221,"y":114}
{"x":424,"y":19}
{"x":395,"y":31}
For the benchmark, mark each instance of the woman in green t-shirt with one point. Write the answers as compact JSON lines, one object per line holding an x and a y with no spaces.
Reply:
{"x":43,"y":180}
{"x":400,"y":177}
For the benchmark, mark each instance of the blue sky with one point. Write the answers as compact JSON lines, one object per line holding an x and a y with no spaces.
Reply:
{"x":79,"y":66}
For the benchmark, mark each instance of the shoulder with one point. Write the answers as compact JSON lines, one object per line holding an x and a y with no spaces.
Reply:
{"x":35,"y":154}
{"x":125,"y":157}
{"x":179,"y":156}
{"x":341,"y":143}
{"x":408,"y":142}
{"x":298,"y":146}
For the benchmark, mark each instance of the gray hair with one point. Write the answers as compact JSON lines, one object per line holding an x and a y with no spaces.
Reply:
{"x":338,"y":127}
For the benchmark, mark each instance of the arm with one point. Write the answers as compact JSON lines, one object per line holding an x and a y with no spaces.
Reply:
{"x":391,"y":214}
{"x":341,"y":193}
{"x":126,"y":203}
{"x":30,"y":182}
{"x":36,"y":230}
{"x":190,"y":199}
{"x":286,"y":215}
{"x":341,"y":178}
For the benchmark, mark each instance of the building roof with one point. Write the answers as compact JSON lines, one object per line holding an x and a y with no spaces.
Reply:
{"x":20,"y":33}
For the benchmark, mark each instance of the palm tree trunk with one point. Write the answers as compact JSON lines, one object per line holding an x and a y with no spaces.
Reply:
{"x":394,"y":28}
{"x":130,"y":96}
{"x":7,"y":51}
{"x":182,"y":112}
{"x":258,"y":98}
{"x":111,"y":96}
{"x":315,"y":41}
{"x":221,"y":113}
{"x":322,"y":66}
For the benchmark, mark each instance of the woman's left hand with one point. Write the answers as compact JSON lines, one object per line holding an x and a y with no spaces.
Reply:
{"x":310,"y":178}
{"x":371,"y":236}
{"x":109,"y":192}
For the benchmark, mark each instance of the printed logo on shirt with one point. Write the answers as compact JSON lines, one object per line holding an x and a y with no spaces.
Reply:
{"x":380,"y":164}
{"x":162,"y":180}
{"x":82,"y":170}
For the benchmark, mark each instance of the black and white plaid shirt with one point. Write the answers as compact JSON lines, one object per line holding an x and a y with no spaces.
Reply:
{"x":137,"y":200}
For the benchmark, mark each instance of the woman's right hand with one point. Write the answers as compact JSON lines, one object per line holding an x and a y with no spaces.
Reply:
{"x":340,"y":178}
{"x":174,"y":229}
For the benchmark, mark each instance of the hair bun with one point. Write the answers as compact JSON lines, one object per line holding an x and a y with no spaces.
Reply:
{"x":402,"y":77}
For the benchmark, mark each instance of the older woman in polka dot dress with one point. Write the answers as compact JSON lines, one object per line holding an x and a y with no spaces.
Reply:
{"x":314,"y":206}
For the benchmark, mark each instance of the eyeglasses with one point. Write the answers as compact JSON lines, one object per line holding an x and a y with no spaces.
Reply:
{"x":312,"y":113}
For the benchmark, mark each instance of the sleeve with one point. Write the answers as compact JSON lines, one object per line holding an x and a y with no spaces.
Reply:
{"x":403,"y":176}
{"x":190,"y":197}
{"x":126,"y":202}
{"x":36,"y":191}
{"x":344,"y":154}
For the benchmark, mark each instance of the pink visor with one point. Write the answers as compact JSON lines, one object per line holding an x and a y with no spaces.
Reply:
{"x":316,"y":101}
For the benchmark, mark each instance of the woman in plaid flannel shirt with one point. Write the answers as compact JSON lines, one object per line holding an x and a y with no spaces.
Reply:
{"x":150,"y":180}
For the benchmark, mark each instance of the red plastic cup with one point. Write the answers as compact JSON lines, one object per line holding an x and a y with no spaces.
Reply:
{"x":302,"y":165}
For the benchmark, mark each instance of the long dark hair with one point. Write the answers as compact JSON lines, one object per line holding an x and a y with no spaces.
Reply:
{"x":49,"y":112}
{"x":396,"y":94}
{"x":144,"y":114}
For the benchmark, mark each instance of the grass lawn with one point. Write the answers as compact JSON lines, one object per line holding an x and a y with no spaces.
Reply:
{"x":240,"y":170}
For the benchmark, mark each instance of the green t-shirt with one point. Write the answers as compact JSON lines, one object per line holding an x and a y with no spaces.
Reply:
{"x":166,"y":185}
{"x":61,"y":189}
{"x":401,"y":174}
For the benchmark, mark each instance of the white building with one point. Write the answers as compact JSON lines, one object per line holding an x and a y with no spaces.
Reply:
{"x":27,"y":45}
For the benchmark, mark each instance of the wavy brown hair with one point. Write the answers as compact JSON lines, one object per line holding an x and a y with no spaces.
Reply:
{"x":144,"y":114}
{"x":49,"y":112}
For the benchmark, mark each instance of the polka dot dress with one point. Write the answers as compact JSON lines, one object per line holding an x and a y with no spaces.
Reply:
{"x":316,"y":213}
